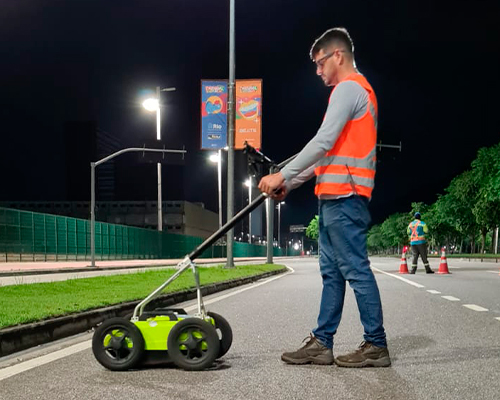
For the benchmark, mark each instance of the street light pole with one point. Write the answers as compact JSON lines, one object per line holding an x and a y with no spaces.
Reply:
{"x":248,"y":184}
{"x":230,"y":139}
{"x":217,"y":158}
{"x":158,"y":166}
{"x":496,"y":240}
{"x":270,"y":229}
{"x":154,"y":104}
{"x":219,"y":184}
{"x":250,"y":214}
{"x":279,"y":222}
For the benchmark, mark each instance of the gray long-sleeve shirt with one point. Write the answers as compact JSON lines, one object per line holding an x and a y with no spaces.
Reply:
{"x":348,"y":101}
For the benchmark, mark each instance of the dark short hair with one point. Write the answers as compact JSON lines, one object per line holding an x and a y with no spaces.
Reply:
{"x":334,"y":36}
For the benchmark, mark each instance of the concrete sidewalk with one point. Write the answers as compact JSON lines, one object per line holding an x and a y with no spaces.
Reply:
{"x":48,"y":267}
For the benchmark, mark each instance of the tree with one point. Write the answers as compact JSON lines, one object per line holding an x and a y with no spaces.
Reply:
{"x":486,"y":173}
{"x":443,"y":229}
{"x":375,"y":240}
{"x":461,"y":197}
{"x":394,"y":229}
{"x":312,"y":231}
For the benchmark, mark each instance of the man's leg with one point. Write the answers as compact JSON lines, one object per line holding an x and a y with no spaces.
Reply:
{"x":347,"y":232}
{"x":423,"y":254}
{"x":332,"y":296}
{"x":318,"y":349}
{"x":414,"y":260}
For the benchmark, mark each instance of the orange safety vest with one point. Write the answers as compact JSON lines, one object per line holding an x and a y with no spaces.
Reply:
{"x":414,"y":233}
{"x":349,"y":167}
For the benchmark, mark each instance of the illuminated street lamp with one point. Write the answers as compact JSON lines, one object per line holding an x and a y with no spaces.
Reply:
{"x":217,"y":158}
{"x":154,"y":105}
{"x":151,"y":104}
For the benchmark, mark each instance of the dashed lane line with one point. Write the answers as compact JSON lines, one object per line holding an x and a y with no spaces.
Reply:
{"x":474,"y":307}
{"x":451,"y":298}
{"x":432,"y":291}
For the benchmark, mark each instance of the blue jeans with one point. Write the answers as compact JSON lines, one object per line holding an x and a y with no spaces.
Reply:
{"x":343,"y":225}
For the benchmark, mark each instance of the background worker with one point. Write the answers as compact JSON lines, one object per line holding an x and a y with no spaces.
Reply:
{"x":342,"y":155}
{"x":417,"y":231}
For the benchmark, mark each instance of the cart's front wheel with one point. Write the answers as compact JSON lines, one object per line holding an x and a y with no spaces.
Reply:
{"x":193,"y":344}
{"x":118,"y":344}
{"x":224,"y":332}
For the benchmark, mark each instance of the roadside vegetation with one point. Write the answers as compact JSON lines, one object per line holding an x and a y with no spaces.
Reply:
{"x":20,"y":304}
{"x":464,"y":218}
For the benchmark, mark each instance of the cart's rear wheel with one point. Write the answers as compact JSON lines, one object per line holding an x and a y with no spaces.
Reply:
{"x":118,"y":344}
{"x":224,"y":332}
{"x":193,"y":344}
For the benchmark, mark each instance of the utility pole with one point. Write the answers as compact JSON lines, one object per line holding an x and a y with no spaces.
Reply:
{"x":230,"y":139}
{"x":270,"y":229}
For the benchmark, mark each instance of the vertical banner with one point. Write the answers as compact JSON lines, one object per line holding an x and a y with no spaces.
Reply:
{"x":248,"y":124}
{"x":213,"y":115}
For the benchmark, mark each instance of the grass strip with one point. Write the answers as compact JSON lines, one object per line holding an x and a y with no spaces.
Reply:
{"x":21,"y":304}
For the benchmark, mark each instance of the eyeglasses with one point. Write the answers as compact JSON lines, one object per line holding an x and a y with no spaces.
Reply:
{"x":321,"y":62}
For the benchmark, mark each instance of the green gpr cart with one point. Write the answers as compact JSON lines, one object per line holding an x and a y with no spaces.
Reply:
{"x":192,"y":342}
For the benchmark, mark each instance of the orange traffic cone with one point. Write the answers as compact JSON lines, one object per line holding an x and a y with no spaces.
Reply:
{"x":403,"y":268}
{"x":443,"y":266}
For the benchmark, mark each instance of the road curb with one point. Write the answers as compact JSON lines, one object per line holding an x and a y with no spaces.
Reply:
{"x":109,"y":268}
{"x":21,"y":337}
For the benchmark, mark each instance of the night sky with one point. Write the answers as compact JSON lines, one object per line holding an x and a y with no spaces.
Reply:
{"x":434,"y":66}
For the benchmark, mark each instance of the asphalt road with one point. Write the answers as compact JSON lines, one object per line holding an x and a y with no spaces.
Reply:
{"x":440,"y":348}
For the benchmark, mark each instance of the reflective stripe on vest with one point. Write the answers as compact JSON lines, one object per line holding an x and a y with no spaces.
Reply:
{"x":349,"y":167}
{"x":414,"y":234}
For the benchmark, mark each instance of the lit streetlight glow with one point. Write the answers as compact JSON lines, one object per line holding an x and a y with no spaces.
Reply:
{"x":214,"y":158}
{"x":151,"y":104}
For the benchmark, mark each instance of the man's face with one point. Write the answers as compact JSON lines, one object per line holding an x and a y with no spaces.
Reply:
{"x":326,"y":66}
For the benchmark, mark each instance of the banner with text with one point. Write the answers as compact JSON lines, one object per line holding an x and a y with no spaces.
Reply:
{"x":248,"y":124}
{"x":213,"y":115}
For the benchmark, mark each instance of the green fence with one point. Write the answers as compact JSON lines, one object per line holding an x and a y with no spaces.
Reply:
{"x":30,"y":236}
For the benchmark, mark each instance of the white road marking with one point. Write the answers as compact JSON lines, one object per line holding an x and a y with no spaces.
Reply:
{"x":225,"y":296}
{"x":37,"y":362}
{"x":434,"y":291}
{"x":42,"y":360}
{"x":474,"y":307}
{"x":494,"y":272}
{"x":399,"y":277}
{"x":498,"y":318}
{"x":451,"y":298}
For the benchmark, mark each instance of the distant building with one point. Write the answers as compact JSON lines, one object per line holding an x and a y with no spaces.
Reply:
{"x":84,"y":143}
{"x":178,"y":216}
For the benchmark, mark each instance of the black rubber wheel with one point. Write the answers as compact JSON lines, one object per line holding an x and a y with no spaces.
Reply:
{"x":193,"y":344}
{"x":118,"y":344}
{"x":224,"y":332}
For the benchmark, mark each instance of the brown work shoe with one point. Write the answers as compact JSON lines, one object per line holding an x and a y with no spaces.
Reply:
{"x":313,"y":352}
{"x":367,"y":355}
